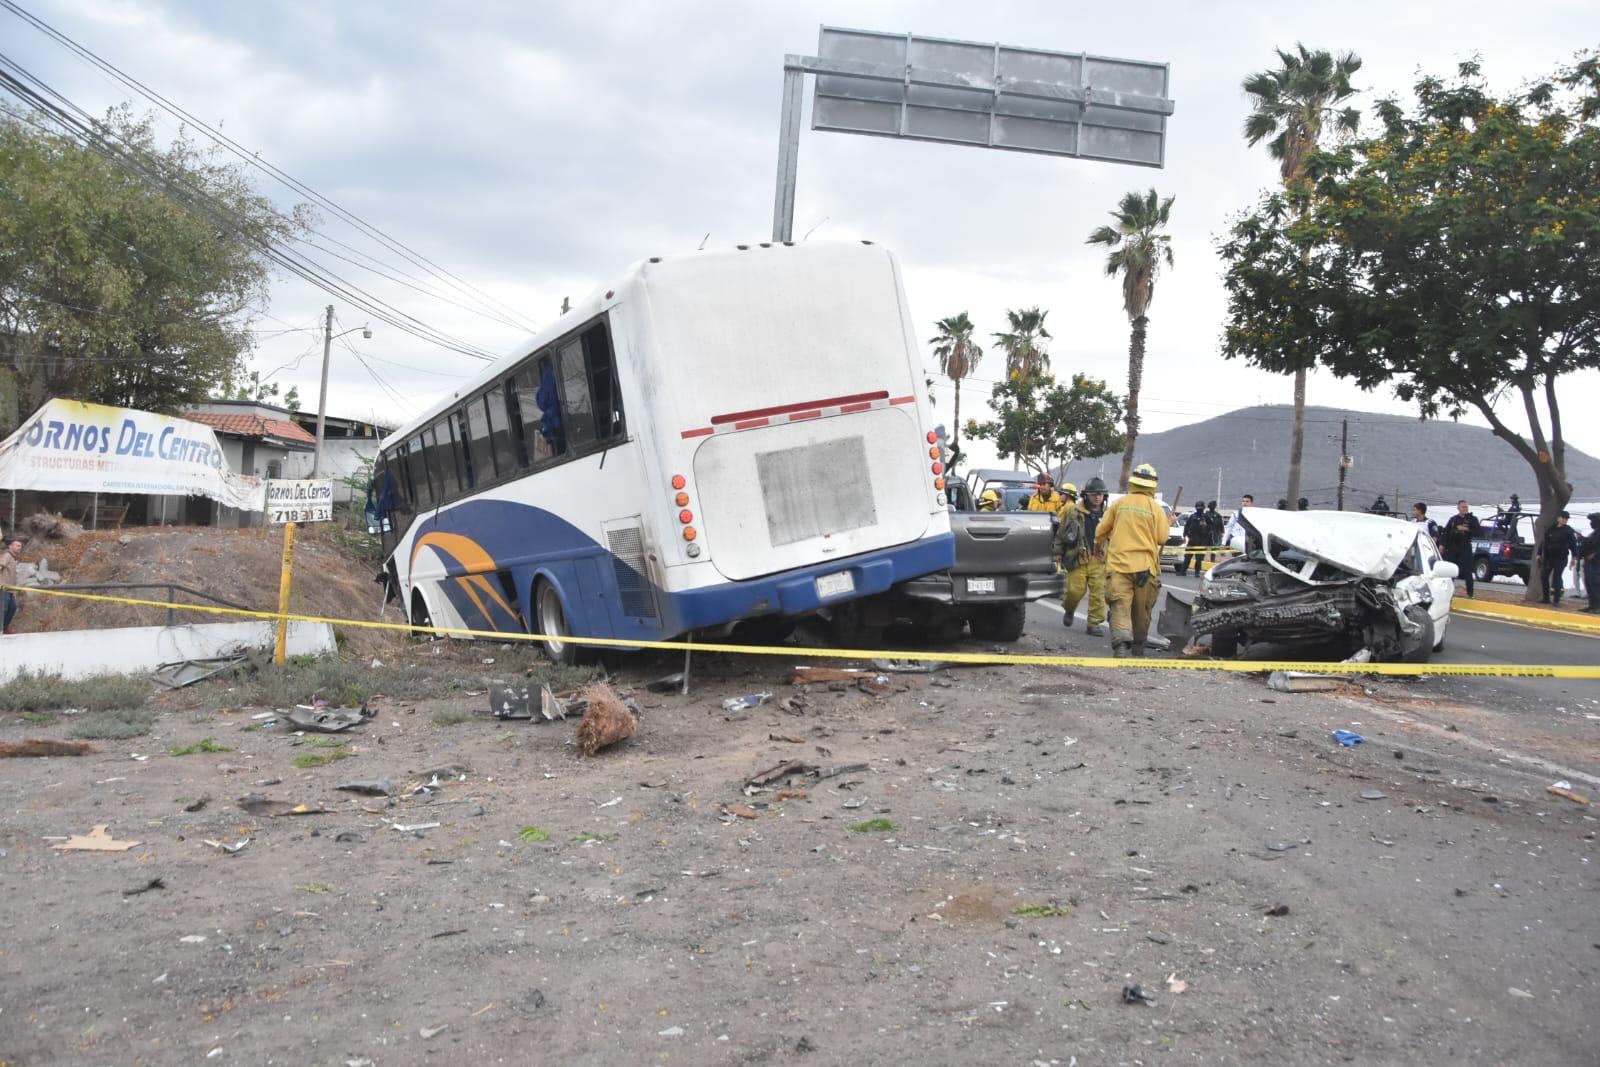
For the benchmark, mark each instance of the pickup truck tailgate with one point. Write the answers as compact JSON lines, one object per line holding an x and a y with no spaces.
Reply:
{"x":1002,"y":542}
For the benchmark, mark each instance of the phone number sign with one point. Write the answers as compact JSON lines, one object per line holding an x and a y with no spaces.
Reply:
{"x":299,"y":501}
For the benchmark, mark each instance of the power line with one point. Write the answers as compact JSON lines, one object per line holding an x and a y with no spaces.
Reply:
{"x":94,"y":135}
{"x":254,"y":160}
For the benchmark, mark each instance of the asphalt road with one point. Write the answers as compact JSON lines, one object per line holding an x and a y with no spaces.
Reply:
{"x":1468,"y":640}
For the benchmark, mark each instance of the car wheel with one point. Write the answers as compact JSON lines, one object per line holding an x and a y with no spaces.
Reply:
{"x":1002,"y":622}
{"x":1481,"y":571}
{"x":850,"y":629}
{"x":1225,"y":644}
{"x":420,"y":616}
{"x":1438,"y":645}
{"x":553,"y":624}
{"x":1424,"y":646}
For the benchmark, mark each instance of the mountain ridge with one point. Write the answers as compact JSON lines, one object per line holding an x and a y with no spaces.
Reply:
{"x":1435,"y":461}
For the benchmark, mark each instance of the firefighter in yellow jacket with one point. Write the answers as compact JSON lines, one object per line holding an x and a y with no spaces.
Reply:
{"x":1074,"y":554}
{"x":1045,"y":497}
{"x":1131,"y":535}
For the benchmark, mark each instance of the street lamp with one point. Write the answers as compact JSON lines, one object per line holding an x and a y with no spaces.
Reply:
{"x":322,"y":396}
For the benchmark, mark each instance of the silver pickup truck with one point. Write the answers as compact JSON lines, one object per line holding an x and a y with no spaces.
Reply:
{"x":1003,"y":561}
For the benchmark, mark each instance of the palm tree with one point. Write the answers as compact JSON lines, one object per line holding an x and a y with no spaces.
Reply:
{"x":1137,"y":249}
{"x":1024,"y":348}
{"x":958,"y":357}
{"x":1289,"y":107}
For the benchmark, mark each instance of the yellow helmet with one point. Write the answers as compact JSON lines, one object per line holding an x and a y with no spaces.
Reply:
{"x":1069,"y":490}
{"x":989,"y":500}
{"x":1143,"y":475}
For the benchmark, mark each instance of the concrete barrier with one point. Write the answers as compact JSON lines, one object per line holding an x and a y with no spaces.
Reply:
{"x":125,"y":649}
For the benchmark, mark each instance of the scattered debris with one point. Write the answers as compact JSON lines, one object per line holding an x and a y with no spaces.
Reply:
{"x":256,"y":804}
{"x":432,"y":1031}
{"x":909,"y":666}
{"x":779,"y":774}
{"x":1301,"y":682}
{"x":1348,"y":738}
{"x":327,"y":720}
{"x":788,"y":738}
{"x":1281,"y":846}
{"x":813,"y":675}
{"x":196,"y":805}
{"x":741,"y":811}
{"x":605,"y":721}
{"x":792,"y":794}
{"x":753,"y":700}
{"x":1564,"y":789}
{"x":671,"y":1031}
{"x":1514,"y":991}
{"x":233,"y":849}
{"x":1134,"y":993}
{"x":1277,"y":911}
{"x":36,"y":747}
{"x":349,"y":837}
{"x":371,"y":787}
{"x":415,"y":827}
{"x":1176,"y":984}
{"x":1374,"y":794}
{"x":447,"y":933}
{"x":189,"y":671}
{"x":529,"y":1004}
{"x":192,"y":939}
{"x":154,"y":883}
{"x":96,"y":840}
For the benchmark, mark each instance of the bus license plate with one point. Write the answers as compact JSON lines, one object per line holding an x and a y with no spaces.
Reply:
{"x":830,"y":585}
{"x":980,"y":585}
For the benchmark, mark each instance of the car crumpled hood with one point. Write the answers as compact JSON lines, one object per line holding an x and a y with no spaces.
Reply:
{"x":1370,"y":545}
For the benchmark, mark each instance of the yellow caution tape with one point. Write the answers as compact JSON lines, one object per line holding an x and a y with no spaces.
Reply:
{"x":1494,"y":670}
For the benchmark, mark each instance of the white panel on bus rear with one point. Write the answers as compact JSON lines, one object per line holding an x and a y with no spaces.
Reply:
{"x":798,"y":493}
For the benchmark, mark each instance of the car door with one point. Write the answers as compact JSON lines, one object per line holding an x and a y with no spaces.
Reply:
{"x":1443,"y":589}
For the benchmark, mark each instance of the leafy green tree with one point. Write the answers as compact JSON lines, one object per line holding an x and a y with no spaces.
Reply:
{"x":1137,"y":250}
{"x":1450,"y":257}
{"x":111,"y":289}
{"x":254,"y":389}
{"x":1023,"y":344}
{"x":1290,"y":106}
{"x":958,"y":357}
{"x":1045,"y":426}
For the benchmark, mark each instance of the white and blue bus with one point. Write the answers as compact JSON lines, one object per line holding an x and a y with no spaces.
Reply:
{"x":716,"y":437}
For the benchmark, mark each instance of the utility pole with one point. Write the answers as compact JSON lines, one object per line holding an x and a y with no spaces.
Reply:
{"x":1344,"y":457}
{"x":1219,"y":485}
{"x":322,"y":394}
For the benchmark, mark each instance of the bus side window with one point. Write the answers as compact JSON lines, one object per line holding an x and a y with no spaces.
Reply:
{"x":541,"y":412}
{"x":603,"y":387}
{"x":417,"y":468}
{"x":458,"y":429}
{"x":500,"y":443}
{"x":441,"y":463}
{"x":577,"y":408}
{"x":476,"y":437}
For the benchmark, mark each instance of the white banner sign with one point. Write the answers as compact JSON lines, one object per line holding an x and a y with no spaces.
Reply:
{"x":299,"y":501}
{"x":69,"y":446}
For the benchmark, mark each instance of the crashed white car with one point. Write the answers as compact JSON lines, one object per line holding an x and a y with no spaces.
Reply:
{"x":1345,"y":579}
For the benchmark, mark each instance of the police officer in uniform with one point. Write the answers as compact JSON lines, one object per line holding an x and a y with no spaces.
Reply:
{"x":1131,"y":536}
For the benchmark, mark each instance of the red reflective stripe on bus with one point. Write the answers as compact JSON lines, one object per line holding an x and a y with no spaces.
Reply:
{"x":848,"y":408}
{"x":904,"y":400}
{"x":799,"y":415}
{"x":749,"y":424}
{"x":784,"y":409}
{"x":699,"y":433}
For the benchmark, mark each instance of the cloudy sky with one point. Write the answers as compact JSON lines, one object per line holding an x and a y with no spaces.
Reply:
{"x":535,"y":149}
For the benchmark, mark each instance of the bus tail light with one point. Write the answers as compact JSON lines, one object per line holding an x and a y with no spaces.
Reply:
{"x":682,"y":499}
{"x":933,"y":438}
{"x":679,"y":481}
{"x":689,"y":533}
{"x":686,"y":516}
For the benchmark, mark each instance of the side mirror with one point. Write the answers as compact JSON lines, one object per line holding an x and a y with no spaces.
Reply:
{"x":1446,"y":569}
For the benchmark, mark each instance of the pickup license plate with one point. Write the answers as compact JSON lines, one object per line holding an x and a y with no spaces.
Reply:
{"x":980,"y":585}
{"x":830,"y":585}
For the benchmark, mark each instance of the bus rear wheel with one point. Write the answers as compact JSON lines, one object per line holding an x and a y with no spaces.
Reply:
{"x":420,"y":616}
{"x":552,"y":622}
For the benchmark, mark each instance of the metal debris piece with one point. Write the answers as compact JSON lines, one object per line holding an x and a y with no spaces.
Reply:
{"x":371,"y":787}
{"x":154,"y":883}
{"x":753,"y":700}
{"x":1564,"y":789}
{"x":189,"y":671}
{"x":909,"y":666}
{"x":327,"y":720}
{"x":233,"y":849}
{"x":1134,"y":993}
{"x":415,"y":827}
{"x":256,"y":804}
{"x":1374,"y":794}
{"x":1301,"y":682}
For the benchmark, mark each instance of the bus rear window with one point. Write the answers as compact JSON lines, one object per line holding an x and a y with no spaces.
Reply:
{"x":577,"y":410}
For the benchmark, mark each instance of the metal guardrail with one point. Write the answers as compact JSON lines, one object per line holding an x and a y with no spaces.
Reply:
{"x":170,"y":587}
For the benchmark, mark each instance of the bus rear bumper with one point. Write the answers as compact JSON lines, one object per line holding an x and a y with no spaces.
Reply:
{"x":799,"y":592}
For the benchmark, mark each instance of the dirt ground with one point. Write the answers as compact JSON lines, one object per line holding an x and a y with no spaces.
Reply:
{"x":1049,"y":838}
{"x":242,"y":567}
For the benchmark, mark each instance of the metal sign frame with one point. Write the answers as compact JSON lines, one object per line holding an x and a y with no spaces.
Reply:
{"x":984,"y":95}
